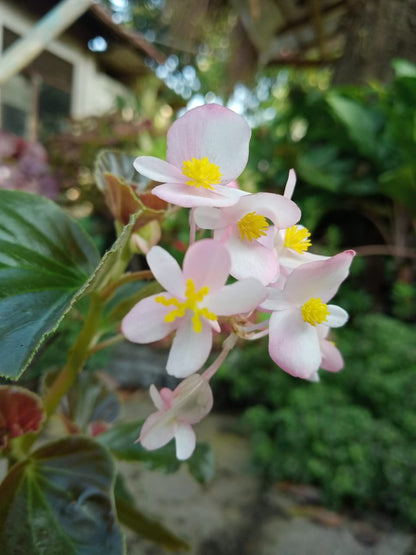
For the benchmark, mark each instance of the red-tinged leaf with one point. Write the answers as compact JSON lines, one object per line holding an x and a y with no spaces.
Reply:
{"x":21,"y":412}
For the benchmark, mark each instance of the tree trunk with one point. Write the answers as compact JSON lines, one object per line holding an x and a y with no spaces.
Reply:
{"x":377,"y":31}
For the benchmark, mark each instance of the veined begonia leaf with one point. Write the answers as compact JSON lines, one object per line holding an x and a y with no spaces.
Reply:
{"x":60,"y":501}
{"x":45,"y":259}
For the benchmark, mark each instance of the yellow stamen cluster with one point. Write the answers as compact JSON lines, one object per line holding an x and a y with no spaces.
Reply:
{"x":252,"y":226}
{"x":297,"y":238}
{"x":202,"y":173}
{"x":193,"y":297}
{"x":315,"y":311}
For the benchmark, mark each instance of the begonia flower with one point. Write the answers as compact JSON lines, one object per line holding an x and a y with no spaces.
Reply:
{"x":243,"y":228}
{"x":207,"y":148}
{"x":194,"y":299}
{"x":177,"y":412}
{"x":294,"y":339}
{"x":292,"y":247}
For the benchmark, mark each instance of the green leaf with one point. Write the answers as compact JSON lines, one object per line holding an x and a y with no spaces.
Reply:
{"x":400,"y":185}
{"x":59,"y":501}
{"x":404,"y":68}
{"x":202,"y":463}
{"x":360,"y":122}
{"x":137,"y":521}
{"x":120,"y":439}
{"x":45,"y":259}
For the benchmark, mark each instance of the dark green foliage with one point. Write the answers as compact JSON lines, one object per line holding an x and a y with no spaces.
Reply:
{"x":353,"y":434}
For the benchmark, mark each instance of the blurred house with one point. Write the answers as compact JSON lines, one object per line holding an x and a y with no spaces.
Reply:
{"x":81,"y":73}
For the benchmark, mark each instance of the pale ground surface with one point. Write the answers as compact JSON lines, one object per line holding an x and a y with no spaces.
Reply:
{"x":235,"y":515}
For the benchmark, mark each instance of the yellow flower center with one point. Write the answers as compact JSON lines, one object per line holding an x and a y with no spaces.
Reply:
{"x":315,"y":311}
{"x":202,"y":173}
{"x":193,"y":297}
{"x":297,"y":238}
{"x":252,"y":226}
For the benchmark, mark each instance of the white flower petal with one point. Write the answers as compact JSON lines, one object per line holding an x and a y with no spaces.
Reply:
{"x":156,"y":398}
{"x":166,"y":271}
{"x":185,"y":440}
{"x":251,"y":259}
{"x":294,"y":344}
{"x":332,"y":360}
{"x":145,"y":322}
{"x":158,"y":170}
{"x":337,"y":316}
{"x":207,"y":217}
{"x":290,"y":184}
{"x":207,"y":262}
{"x":189,"y":349}
{"x":319,"y":279}
{"x":190,"y":197}
{"x":210,"y":131}
{"x":237,"y":298}
{"x":156,"y":431}
{"x":280,"y":210}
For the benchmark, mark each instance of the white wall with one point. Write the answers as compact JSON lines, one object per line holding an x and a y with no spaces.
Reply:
{"x":93,"y":92}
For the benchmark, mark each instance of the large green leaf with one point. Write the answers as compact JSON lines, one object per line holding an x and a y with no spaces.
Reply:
{"x":360,"y":122}
{"x":45,"y":258}
{"x":60,"y":501}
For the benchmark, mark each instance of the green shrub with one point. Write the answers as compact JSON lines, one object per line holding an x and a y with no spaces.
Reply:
{"x":352,"y":433}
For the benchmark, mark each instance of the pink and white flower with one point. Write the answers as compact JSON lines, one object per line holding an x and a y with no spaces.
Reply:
{"x":294,"y":339}
{"x":194,"y":299}
{"x":243,"y":228}
{"x":207,"y":148}
{"x":177,"y":412}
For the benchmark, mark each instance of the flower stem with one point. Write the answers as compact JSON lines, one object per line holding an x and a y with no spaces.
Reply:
{"x":227,"y":346}
{"x":77,"y":357}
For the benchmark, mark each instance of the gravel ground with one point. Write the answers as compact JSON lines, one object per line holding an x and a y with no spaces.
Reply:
{"x":236,"y":515}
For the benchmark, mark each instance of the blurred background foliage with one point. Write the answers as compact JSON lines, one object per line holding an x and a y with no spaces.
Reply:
{"x":352,"y":144}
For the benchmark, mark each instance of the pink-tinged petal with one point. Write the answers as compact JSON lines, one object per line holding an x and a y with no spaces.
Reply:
{"x":319,"y":279}
{"x":275,"y":300}
{"x":167,"y":397}
{"x":337,"y":316}
{"x":156,"y":431}
{"x":332,"y":360}
{"x":158,"y":170}
{"x":291,"y":259}
{"x":145,"y":322}
{"x":156,"y":398}
{"x":251,"y":259}
{"x":212,"y":131}
{"x":193,"y":399}
{"x":207,"y":262}
{"x":294,"y":344}
{"x":190,"y":349}
{"x":290,"y":184}
{"x":185,"y":441}
{"x":166,"y":271}
{"x":191,"y":197}
{"x":237,"y":298}
{"x":280,"y":210}
{"x":207,"y":217}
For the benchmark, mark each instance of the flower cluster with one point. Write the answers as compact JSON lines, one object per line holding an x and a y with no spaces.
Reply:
{"x":256,"y":263}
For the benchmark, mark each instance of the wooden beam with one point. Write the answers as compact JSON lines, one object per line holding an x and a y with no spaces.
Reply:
{"x":24,"y":50}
